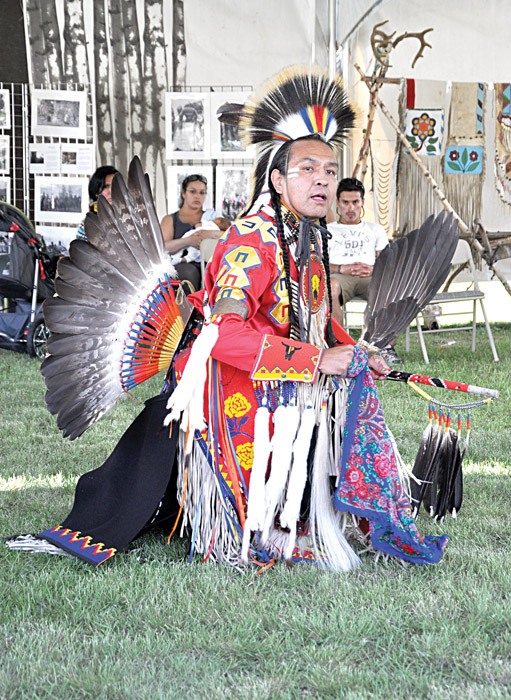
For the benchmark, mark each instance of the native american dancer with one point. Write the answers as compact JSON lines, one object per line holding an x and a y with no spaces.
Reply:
{"x":273,"y":397}
{"x":262,"y":387}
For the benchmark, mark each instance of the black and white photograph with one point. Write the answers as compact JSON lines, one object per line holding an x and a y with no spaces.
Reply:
{"x":44,"y":158}
{"x":226,"y":141}
{"x":60,"y":199}
{"x":59,"y":113}
{"x":5,"y":142}
{"x":69,"y":158}
{"x":5,"y":189}
{"x":187,"y":125}
{"x":58,"y":236}
{"x":5,"y":109}
{"x":232,"y":189}
{"x":76,"y":158}
{"x":176,"y":175}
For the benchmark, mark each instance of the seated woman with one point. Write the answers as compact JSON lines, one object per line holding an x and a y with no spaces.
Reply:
{"x":189,"y":216}
{"x":99,"y":183}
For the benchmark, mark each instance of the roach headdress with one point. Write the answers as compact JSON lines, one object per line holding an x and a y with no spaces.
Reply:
{"x":297,"y":102}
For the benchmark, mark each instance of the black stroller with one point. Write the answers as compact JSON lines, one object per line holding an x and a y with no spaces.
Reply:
{"x":27,"y":273}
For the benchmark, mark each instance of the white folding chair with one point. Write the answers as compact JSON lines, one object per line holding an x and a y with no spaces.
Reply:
{"x":462,"y":256}
{"x":354,"y":308}
{"x":207,"y":247}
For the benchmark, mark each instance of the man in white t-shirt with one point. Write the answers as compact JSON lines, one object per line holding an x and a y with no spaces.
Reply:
{"x":353,"y":248}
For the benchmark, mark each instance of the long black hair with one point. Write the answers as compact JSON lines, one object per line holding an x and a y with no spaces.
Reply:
{"x":97,"y":181}
{"x":280,"y":162}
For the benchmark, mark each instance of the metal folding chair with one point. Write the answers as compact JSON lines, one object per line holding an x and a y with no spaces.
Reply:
{"x":462,"y":257}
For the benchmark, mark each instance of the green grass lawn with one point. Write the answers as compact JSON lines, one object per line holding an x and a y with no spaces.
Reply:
{"x":148,"y":625}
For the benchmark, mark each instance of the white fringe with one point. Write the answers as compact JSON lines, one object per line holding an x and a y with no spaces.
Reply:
{"x":286,"y":421}
{"x":318,"y":322}
{"x":298,"y":477}
{"x":277,"y":543}
{"x":330,"y":546}
{"x":402,"y":470}
{"x":205,"y":509}
{"x":256,"y":497}
{"x":34,"y":544}
{"x":338,"y":402}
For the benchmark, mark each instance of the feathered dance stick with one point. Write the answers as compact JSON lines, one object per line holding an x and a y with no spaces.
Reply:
{"x":406,"y":276}
{"x":407,"y":377}
{"x":437,"y":478}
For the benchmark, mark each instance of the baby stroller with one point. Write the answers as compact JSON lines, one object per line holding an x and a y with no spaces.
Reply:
{"x":27,"y":272}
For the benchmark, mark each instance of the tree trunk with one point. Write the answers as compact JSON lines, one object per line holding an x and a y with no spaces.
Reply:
{"x":105,"y":143}
{"x":75,"y":46}
{"x":178,"y":43}
{"x":134,"y":61}
{"x":35,"y":38}
{"x":121,"y":87}
{"x":50,"y":29}
{"x":155,"y":85}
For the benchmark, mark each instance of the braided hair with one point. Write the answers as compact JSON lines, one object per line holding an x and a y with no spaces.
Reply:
{"x":280,"y":163}
{"x":330,"y":337}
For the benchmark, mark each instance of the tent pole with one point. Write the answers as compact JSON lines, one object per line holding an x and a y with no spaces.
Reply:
{"x":332,"y":37}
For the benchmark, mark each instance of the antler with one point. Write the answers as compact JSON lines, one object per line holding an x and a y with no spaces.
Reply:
{"x":416,"y":35}
{"x":382,"y":43}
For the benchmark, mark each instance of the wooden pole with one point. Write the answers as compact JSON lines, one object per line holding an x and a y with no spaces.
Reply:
{"x":373,"y":84}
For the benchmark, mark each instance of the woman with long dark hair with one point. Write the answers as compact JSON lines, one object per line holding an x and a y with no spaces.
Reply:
{"x":184,"y":229}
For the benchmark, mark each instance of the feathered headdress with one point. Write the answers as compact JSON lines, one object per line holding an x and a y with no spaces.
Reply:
{"x":297,"y":102}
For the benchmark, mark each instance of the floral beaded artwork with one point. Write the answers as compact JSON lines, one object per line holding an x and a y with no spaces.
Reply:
{"x":424,"y":130}
{"x":464,"y":159}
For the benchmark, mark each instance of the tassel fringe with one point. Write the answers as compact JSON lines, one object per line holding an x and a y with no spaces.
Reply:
{"x":256,"y":501}
{"x":330,"y":545}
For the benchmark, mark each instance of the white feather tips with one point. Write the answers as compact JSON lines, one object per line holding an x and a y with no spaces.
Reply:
{"x":297,"y":478}
{"x":286,"y":424}
{"x":256,"y":500}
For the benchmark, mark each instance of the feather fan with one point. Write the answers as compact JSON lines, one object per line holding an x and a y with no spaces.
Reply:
{"x":406,"y":276}
{"x":118,"y":313}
